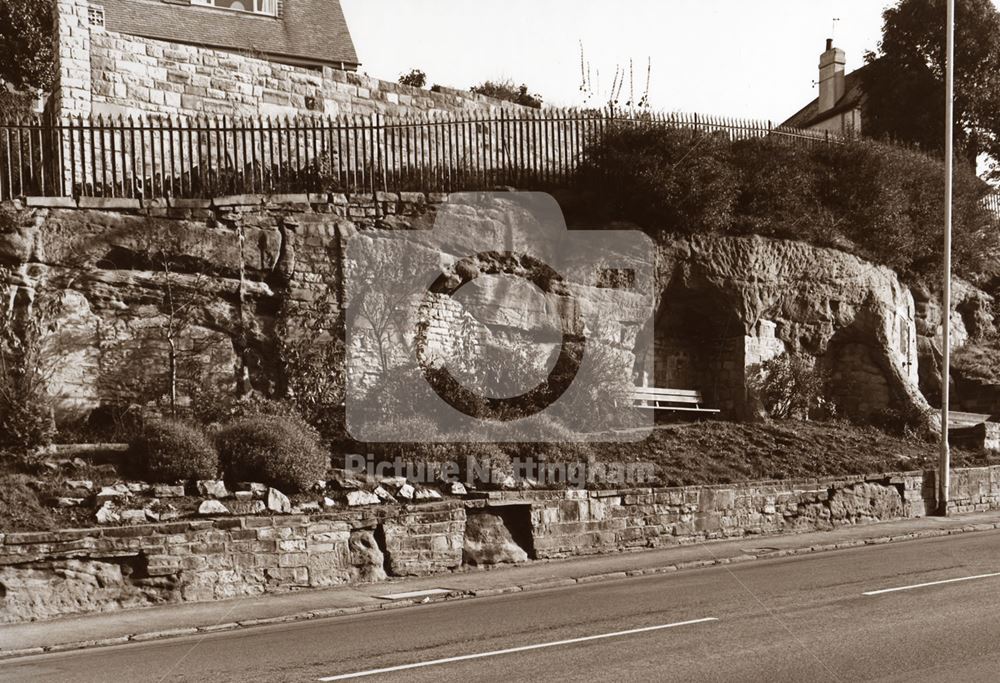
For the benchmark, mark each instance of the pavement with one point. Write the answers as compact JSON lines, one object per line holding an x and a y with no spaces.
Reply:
{"x":777,"y":607}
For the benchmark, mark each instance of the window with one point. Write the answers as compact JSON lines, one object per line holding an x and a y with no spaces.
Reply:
{"x":95,"y":16}
{"x":255,"y":6}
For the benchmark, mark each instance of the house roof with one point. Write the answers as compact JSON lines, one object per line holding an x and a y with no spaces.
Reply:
{"x":853,"y":98}
{"x":309,"y":31}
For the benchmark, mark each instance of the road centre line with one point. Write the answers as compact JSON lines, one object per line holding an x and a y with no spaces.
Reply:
{"x":931,"y":583}
{"x":523,"y":648}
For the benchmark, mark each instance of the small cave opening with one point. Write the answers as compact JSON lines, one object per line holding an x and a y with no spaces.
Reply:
{"x":517,"y":519}
{"x":857,"y":384}
{"x":698,"y":344}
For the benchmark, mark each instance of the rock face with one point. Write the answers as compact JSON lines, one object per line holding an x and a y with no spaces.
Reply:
{"x":971,"y":319}
{"x":367,"y":559}
{"x":727,"y":304}
{"x":254,"y":275}
{"x":74,"y":586}
{"x":488,"y":541}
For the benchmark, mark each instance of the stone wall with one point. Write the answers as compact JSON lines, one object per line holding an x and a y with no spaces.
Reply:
{"x":107,"y":73}
{"x":50,"y":574}
{"x":581,"y":522}
{"x":97,"y":570}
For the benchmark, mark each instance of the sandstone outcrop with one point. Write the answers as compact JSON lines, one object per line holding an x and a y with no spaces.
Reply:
{"x":729,"y":303}
{"x":253,"y":276}
{"x":488,"y":541}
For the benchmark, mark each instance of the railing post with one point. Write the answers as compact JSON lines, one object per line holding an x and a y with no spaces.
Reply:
{"x":379,"y":149}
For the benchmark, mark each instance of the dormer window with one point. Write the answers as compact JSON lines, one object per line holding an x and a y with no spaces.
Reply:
{"x":268,"y":7}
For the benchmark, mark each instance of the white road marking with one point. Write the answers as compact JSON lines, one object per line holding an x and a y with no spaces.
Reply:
{"x":931,"y":583}
{"x":523,"y":648}
{"x":414,"y":594}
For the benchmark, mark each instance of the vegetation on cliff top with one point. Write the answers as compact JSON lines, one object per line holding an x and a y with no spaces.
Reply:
{"x":881,"y":202}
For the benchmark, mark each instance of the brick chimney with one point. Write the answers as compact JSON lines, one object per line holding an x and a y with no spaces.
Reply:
{"x":831,"y":76}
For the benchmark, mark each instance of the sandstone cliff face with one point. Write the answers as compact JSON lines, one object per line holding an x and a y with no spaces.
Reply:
{"x":115,"y":290}
{"x":971,"y":319}
{"x":730,"y":303}
{"x":231,"y":281}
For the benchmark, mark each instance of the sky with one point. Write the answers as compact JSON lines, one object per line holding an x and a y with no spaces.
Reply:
{"x":740,"y":58}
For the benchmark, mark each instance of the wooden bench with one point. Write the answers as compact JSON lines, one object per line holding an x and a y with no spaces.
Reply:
{"x":681,"y":400}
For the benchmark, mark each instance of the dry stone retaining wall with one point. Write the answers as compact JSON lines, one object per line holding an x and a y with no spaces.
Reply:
{"x":49,"y":574}
{"x":96,"y":570}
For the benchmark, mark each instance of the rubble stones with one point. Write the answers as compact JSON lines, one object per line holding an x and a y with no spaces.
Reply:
{"x":168,"y":490}
{"x":246,"y":507}
{"x":357,"y":498}
{"x":425,"y":494}
{"x":108,"y":513}
{"x":133,"y":516}
{"x":345,"y":484}
{"x":213,"y":488}
{"x":384,"y":495}
{"x":115,"y":493}
{"x":68,"y":502}
{"x":278,"y":501}
{"x":212,"y":507}
{"x":79,"y":484}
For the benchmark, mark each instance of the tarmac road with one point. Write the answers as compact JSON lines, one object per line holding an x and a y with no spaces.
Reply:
{"x":790,"y":619}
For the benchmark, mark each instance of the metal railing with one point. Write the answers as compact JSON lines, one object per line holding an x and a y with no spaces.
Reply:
{"x":205,"y":157}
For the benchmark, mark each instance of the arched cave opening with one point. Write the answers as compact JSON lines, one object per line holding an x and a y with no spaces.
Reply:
{"x":698,"y":345}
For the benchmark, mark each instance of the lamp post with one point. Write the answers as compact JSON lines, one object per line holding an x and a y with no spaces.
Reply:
{"x":944,"y":464}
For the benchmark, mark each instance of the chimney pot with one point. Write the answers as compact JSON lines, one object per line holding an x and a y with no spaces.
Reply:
{"x":829,"y":43}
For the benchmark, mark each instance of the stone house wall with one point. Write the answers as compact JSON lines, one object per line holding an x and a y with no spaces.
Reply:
{"x":111,"y":74}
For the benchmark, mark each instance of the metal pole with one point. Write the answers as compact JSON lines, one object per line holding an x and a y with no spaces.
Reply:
{"x":944,"y":466}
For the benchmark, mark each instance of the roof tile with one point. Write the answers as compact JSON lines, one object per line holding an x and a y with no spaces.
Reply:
{"x":309,"y":30}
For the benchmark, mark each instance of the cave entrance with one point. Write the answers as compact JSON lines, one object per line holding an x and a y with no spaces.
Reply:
{"x":699,"y":344}
{"x":858,"y":384}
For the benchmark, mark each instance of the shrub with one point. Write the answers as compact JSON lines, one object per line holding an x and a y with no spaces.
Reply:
{"x":908,"y":422}
{"x":674,"y":180}
{"x":315,"y":382}
{"x":791,"y":386}
{"x":507,"y":91}
{"x":167,"y":451}
{"x":281,"y":451}
{"x":978,"y":361}
{"x":415,"y":78}
{"x":880,"y":201}
{"x":26,"y":419}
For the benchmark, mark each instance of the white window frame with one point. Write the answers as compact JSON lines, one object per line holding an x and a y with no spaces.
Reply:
{"x":264,"y":8}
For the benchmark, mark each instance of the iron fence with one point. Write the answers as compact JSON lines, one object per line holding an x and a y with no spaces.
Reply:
{"x":205,"y":157}
{"x":992,"y":203}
